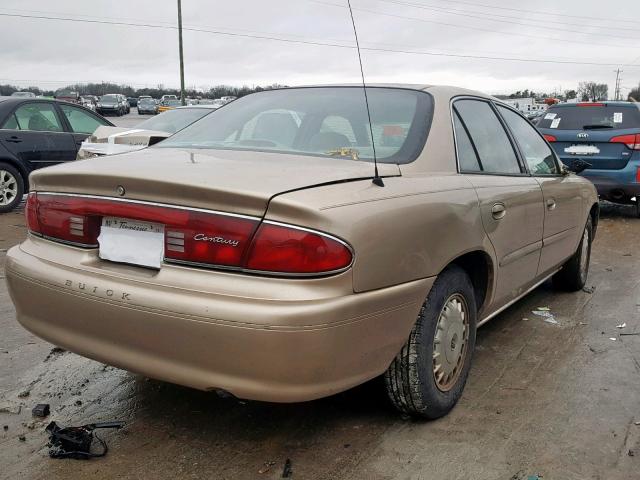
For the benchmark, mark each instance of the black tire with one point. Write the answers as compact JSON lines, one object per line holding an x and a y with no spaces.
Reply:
{"x":410,"y":379}
{"x":573,"y":274}
{"x":16,"y":197}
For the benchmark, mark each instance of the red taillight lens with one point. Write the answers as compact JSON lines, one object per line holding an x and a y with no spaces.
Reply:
{"x":193,"y":236}
{"x":590,"y":104}
{"x":549,"y":138}
{"x":279,"y":248}
{"x":31,"y":212}
{"x":632,"y":141}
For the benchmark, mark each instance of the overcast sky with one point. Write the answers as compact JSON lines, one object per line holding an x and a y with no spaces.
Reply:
{"x":53,"y":53}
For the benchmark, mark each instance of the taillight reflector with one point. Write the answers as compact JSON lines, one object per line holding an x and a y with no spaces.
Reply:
{"x":549,"y":138}
{"x":197,"y":237}
{"x":632,"y":141}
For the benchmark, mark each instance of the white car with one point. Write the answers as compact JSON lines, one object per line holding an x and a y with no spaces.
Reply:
{"x":111,"y":140}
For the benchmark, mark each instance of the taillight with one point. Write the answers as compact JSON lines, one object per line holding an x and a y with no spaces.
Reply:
{"x":193,"y":236}
{"x":282,"y":248}
{"x":590,"y":104}
{"x":632,"y":141}
{"x":549,"y":138}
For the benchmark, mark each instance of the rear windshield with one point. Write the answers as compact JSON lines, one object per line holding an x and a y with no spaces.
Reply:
{"x":173,"y":120}
{"x":591,"y":117}
{"x":146,"y":100}
{"x":319,"y":121}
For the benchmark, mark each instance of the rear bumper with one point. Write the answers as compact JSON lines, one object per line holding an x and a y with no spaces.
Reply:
{"x":280,"y":344}
{"x":615,"y":184}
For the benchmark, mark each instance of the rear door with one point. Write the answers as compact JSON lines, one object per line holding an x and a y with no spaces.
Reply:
{"x":511,"y":201}
{"x":563,"y":209}
{"x":586,"y":130}
{"x":35,"y":134}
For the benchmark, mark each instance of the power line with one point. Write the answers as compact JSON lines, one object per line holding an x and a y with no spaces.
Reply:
{"x":538,"y":12}
{"x":501,"y":19}
{"x":468,"y":27}
{"x":323,"y":44}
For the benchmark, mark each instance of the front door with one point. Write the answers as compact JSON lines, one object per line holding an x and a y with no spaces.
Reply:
{"x":510,"y":200}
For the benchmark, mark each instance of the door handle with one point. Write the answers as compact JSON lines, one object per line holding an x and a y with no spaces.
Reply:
{"x":498,"y":211}
{"x":13,"y":139}
{"x":551,"y":204}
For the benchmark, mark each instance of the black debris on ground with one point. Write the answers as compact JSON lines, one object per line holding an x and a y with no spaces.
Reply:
{"x":41,"y":410}
{"x":287,"y":471}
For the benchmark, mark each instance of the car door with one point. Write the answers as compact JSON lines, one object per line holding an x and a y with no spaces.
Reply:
{"x":510,"y":200}
{"x":81,"y":122}
{"x":562,"y":193}
{"x":35,"y":134}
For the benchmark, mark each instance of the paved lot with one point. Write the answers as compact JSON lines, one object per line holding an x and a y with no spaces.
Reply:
{"x":556,"y":400}
{"x":132,"y":119}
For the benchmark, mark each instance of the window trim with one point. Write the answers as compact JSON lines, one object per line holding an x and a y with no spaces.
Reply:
{"x":553,"y":153}
{"x":55,"y":111}
{"x":524,"y":171}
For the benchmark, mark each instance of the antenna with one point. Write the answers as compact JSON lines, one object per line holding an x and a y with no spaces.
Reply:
{"x":377,"y":180}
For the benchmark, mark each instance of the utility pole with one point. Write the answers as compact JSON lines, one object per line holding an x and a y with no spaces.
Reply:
{"x":181,"y":54}
{"x":617,"y":90}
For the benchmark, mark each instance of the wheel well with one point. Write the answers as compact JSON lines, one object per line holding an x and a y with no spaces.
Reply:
{"x":18,"y":166}
{"x":595,"y":215}
{"x":478,"y":266}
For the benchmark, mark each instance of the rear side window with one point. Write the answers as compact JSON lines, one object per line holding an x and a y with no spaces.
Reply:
{"x":535,"y":150}
{"x":467,"y":157}
{"x":591,"y":116}
{"x":81,"y":121}
{"x":496,"y":154}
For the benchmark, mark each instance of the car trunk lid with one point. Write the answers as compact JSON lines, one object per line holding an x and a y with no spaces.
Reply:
{"x":230,"y":181}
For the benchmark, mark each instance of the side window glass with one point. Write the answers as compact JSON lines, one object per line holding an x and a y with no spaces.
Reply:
{"x":80,"y":121}
{"x":467,"y":157}
{"x":38,"y":117}
{"x":489,"y":137}
{"x":535,"y":150}
{"x":11,"y":123}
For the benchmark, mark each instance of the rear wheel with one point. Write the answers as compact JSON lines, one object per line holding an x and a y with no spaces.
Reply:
{"x":11,"y":187}
{"x":573,"y":275}
{"x":428,"y":376}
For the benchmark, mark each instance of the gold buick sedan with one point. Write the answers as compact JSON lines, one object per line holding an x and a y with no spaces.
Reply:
{"x":284,"y":248}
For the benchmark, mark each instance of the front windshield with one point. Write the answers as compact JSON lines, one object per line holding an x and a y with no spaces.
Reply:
{"x":173,"y":120}
{"x":146,"y":101}
{"x":322,"y":121}
{"x":109,"y":98}
{"x":172,"y":103}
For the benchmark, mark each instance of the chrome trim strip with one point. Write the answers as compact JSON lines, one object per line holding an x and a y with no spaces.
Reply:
{"x":265,"y":273}
{"x":144,"y":202}
{"x":507,"y":305}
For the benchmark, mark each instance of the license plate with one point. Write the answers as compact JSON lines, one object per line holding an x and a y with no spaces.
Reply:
{"x":131,"y":241}
{"x":582,"y":150}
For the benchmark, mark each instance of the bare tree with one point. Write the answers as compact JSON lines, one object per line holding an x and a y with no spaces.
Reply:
{"x":592,"y":91}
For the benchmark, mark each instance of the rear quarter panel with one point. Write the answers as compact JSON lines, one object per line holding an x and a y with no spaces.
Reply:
{"x":409,"y":229}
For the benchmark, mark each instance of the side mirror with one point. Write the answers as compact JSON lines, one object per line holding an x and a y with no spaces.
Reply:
{"x":577,"y":166}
